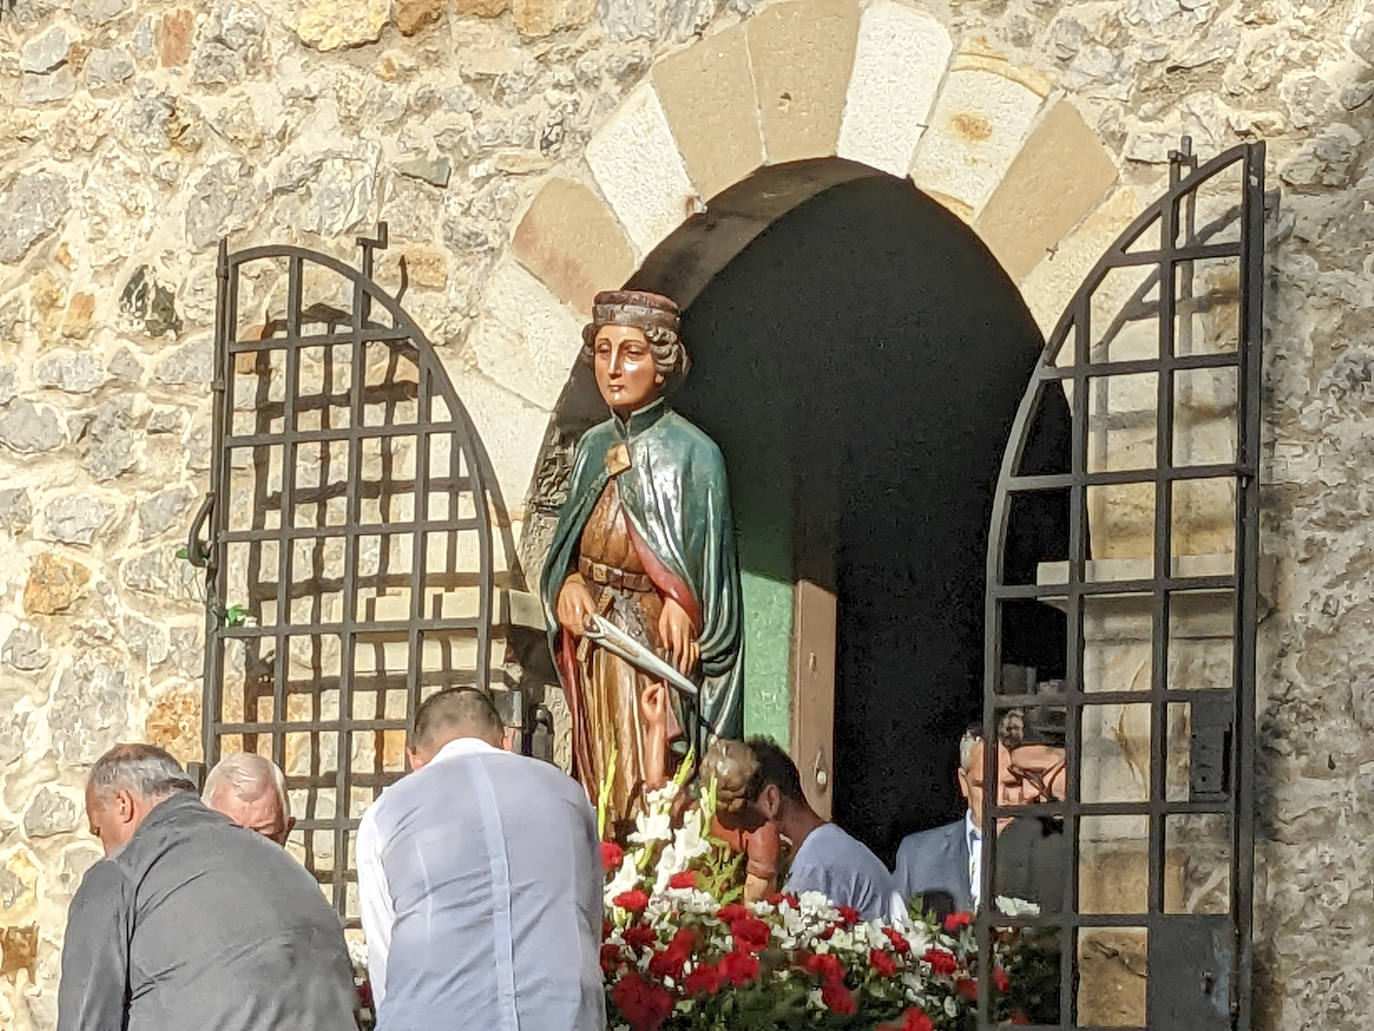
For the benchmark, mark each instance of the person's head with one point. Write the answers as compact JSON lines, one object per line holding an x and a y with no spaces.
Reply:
{"x":774,"y":793}
{"x":731,"y":764}
{"x":970,"y":776}
{"x":633,"y":347}
{"x":126,"y":784}
{"x":448,"y":715}
{"x":251,"y":791}
{"x":1037,"y":759}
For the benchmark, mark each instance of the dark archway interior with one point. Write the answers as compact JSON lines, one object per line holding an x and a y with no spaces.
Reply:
{"x":860,"y":364}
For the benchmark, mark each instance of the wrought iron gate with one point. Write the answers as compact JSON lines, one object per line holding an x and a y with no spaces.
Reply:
{"x":349,"y":557}
{"x":1158,"y":358}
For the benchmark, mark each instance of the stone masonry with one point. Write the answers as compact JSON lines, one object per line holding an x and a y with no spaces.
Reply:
{"x":526,"y":152}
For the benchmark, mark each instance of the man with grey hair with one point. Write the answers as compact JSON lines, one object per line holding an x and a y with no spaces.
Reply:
{"x":190,"y":921}
{"x":947,"y":861}
{"x":251,"y":791}
{"x":479,"y":878}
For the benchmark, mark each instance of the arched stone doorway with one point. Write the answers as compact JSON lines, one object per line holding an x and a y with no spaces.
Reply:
{"x":859,"y":361}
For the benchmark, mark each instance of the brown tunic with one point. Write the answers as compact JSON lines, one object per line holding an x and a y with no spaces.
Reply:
{"x":611,"y":687}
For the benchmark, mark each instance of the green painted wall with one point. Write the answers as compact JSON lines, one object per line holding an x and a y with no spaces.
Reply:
{"x":767,"y":655}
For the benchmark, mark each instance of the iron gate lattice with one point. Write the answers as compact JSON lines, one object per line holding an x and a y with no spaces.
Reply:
{"x":349,"y":561}
{"x":1158,"y":358}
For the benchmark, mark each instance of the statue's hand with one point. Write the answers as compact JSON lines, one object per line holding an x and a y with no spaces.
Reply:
{"x":679,"y":637}
{"x":575,"y":604}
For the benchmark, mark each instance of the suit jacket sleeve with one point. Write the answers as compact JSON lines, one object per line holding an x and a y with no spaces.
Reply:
{"x":94,"y":991}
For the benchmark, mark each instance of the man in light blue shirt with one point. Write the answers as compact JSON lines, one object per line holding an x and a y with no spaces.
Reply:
{"x":479,"y":876}
{"x":824,"y":858}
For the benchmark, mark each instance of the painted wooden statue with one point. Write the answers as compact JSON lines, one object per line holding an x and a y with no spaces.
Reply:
{"x":644,"y":543}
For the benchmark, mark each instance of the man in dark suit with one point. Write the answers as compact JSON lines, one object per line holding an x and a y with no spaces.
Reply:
{"x":1033,"y":854}
{"x":943,"y":864}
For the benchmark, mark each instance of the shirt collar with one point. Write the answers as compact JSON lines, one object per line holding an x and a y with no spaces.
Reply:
{"x":461,"y":746}
{"x":972,"y":831}
{"x":640,"y":419}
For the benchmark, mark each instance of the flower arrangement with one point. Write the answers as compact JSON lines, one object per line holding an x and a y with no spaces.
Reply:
{"x":683,"y":952}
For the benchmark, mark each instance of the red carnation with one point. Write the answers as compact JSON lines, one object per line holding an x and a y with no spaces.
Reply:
{"x":968,"y":988}
{"x":779,"y":897}
{"x":686,"y":879}
{"x":956,"y":922}
{"x":646,"y":1006}
{"x":941,"y":962}
{"x":916,"y":1020}
{"x":750,"y":934}
{"x":673,"y":958}
{"x":640,"y":936}
{"x":1000,"y":979}
{"x":365,"y":994}
{"x":825,"y":966}
{"x":849,"y":916}
{"x":610,"y":957}
{"x":1019,"y":1018}
{"x":606,"y":927}
{"x":634,"y":900}
{"x":739,"y":967}
{"x":882,"y":963}
{"x":838,"y":998}
{"x":899,"y":944}
{"x":611,"y":855}
{"x":704,"y":980}
{"x":732,"y":912}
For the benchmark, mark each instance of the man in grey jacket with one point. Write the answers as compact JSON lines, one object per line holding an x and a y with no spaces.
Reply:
{"x":946,"y":862}
{"x":191,"y":921}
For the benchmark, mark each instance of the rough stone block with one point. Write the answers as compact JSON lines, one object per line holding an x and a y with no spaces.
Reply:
{"x":1057,"y":178}
{"x":51,"y":813}
{"x":978,"y":125}
{"x":525,"y":340}
{"x":483,"y":8}
{"x":339,"y":24}
{"x":898,"y":64}
{"x":75,"y":519}
{"x":53,"y":584}
{"x":544,"y":17}
{"x":173,"y":722}
{"x":27,"y":428}
{"x":89,"y":709}
{"x":159,"y":512}
{"x":46,"y":52}
{"x":707,"y":93}
{"x":802,"y":53}
{"x":414,"y":15}
{"x":73,"y":372}
{"x":175,"y":33}
{"x":24,"y":649}
{"x":29,"y":210}
{"x":16,"y":511}
{"x":573,"y":243}
{"x":637,"y":165}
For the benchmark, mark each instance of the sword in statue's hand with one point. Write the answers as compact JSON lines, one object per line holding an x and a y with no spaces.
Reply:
{"x":616,"y":641}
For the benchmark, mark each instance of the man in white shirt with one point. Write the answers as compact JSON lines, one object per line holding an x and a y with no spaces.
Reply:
{"x":479,"y":876}
{"x":824,"y":858}
{"x":947,"y":860}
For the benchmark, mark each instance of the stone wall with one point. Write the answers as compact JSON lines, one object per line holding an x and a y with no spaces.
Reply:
{"x":525,"y":152}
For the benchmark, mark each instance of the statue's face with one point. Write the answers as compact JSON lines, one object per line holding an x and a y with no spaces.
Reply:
{"x":624,"y":365}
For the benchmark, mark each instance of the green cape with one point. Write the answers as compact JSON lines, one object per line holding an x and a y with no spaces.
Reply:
{"x":675,"y":497}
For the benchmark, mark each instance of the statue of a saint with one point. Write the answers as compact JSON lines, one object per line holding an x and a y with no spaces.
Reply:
{"x":645,"y":541}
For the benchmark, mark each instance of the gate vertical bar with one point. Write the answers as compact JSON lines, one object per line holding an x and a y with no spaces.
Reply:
{"x":226,"y":319}
{"x":1251,"y":357}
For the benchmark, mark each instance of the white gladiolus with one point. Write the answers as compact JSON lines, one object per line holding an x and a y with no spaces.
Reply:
{"x":651,"y":827}
{"x":625,"y":879}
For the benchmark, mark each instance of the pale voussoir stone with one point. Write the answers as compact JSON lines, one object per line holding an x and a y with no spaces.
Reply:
{"x":525,"y":339}
{"x":899,"y":62}
{"x":976,"y":129}
{"x":637,"y":165}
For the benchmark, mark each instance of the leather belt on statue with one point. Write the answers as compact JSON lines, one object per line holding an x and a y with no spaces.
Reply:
{"x":600,"y":573}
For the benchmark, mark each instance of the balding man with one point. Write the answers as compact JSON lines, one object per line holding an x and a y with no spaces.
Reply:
{"x":251,"y":791}
{"x":480,"y":881}
{"x":191,"y":922}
